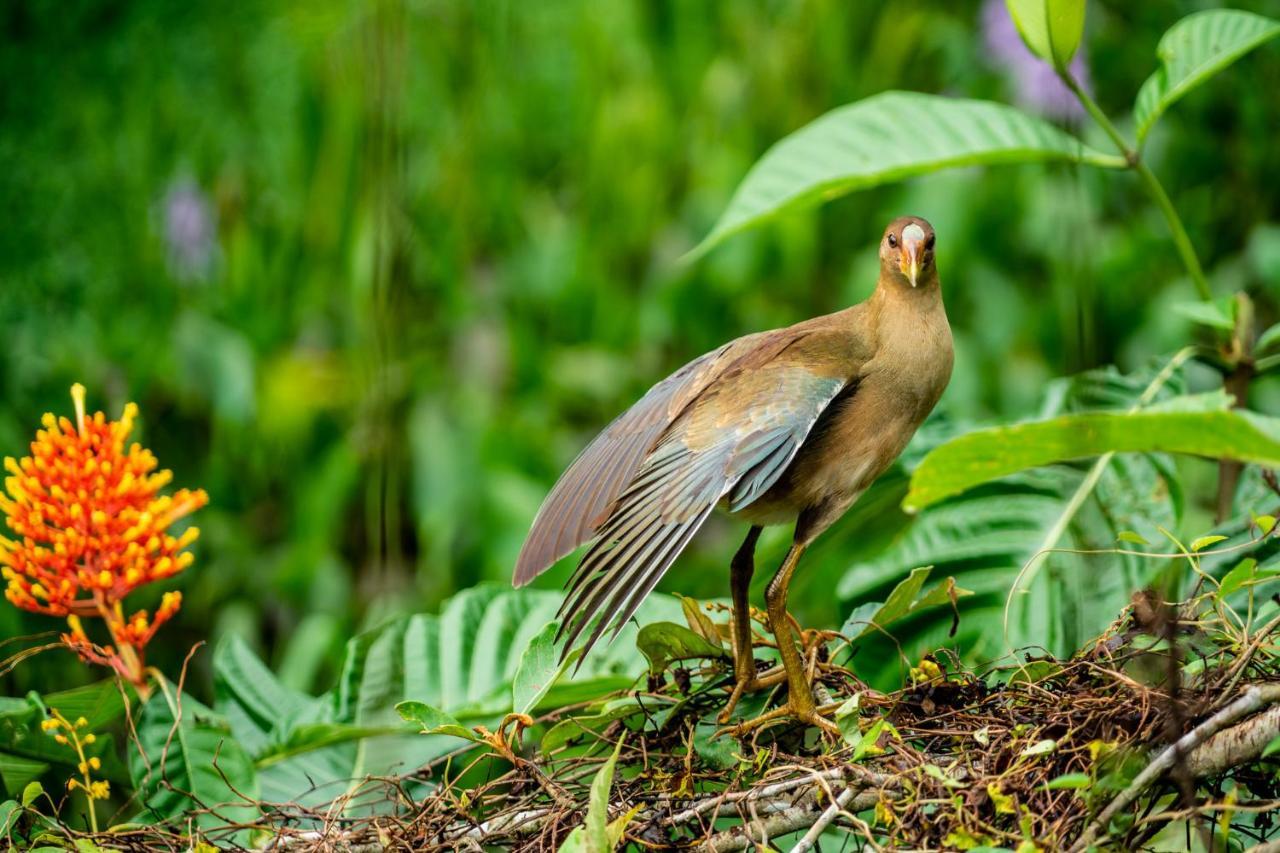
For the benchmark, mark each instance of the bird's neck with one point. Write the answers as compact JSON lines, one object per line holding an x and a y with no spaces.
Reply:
{"x":895,"y":296}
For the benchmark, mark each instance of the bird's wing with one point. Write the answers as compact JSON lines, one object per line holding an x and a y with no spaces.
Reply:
{"x":733,"y":441}
{"x":583,"y":496}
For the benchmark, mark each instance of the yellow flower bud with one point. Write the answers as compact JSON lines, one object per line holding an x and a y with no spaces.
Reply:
{"x":95,"y":763}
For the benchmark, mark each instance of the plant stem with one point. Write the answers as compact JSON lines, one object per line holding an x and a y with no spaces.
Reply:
{"x":1180,"y":238}
{"x":1152,"y":184}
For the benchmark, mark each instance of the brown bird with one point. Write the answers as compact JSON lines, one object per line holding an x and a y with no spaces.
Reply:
{"x":787,"y":425}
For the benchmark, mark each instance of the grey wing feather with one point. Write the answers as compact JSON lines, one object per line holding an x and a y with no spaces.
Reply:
{"x":678,"y":485}
{"x":584,"y":494}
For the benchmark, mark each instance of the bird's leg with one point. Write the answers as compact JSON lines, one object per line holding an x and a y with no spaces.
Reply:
{"x":800,"y":702}
{"x":744,"y":663}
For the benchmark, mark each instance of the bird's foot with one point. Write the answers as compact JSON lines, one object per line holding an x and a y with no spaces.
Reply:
{"x":807,"y":715}
{"x":750,"y":684}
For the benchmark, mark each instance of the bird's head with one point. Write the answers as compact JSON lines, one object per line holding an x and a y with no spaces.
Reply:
{"x":906,"y":252}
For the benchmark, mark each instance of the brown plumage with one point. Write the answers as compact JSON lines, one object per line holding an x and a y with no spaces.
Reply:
{"x":786,"y":425}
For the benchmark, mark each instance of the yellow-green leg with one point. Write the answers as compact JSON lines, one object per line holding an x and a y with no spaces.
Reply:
{"x":800,"y":702}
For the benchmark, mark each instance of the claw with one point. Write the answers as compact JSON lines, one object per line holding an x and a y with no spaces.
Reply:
{"x":743,"y":686}
{"x":808,"y":717}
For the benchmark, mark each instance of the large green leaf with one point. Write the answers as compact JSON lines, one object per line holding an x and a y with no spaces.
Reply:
{"x":889,"y":137}
{"x":1194,"y":49}
{"x":1051,"y":28}
{"x":988,"y":454}
{"x":189,"y":763}
{"x":464,"y":663}
{"x":985,"y":538}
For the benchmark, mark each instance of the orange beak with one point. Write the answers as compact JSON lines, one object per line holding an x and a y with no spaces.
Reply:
{"x":912,"y":244}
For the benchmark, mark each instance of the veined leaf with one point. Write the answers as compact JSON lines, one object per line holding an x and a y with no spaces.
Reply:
{"x":191,"y":762}
{"x":540,"y":668}
{"x":1194,"y":49}
{"x":666,"y":642}
{"x":904,"y":601}
{"x":433,"y":721}
{"x":486,"y":654}
{"x":879,"y":140}
{"x":1052,"y":29}
{"x":989,"y":454}
{"x":985,"y":537}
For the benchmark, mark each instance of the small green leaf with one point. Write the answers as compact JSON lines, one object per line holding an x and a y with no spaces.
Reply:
{"x":31,"y":793}
{"x":1130,"y":536}
{"x":1266,"y":523}
{"x":1267,"y":340}
{"x":1216,"y":315}
{"x":1271,"y":748}
{"x":1041,"y":747}
{"x":1202,"y":542}
{"x":1052,"y":29}
{"x":699,"y":622}
{"x":847,"y":719}
{"x":1194,"y":49}
{"x":540,"y":668}
{"x":614,"y":709}
{"x":10,"y":811}
{"x":935,"y":772}
{"x":1068,"y":781}
{"x":866,"y":744}
{"x":664,"y":642}
{"x":434,"y":721}
{"x":1244,"y":572}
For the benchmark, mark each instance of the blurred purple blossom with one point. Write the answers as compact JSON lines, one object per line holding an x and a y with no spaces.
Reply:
{"x":190,"y":230}
{"x":1037,"y":85}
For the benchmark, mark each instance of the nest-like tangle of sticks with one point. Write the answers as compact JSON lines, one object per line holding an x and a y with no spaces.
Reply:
{"x":1030,"y":756}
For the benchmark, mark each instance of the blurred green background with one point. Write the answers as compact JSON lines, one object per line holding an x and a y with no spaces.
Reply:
{"x":376,"y":271}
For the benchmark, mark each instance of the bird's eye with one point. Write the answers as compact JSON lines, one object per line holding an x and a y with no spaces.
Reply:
{"x":893,"y":241}
{"x":928,"y":244}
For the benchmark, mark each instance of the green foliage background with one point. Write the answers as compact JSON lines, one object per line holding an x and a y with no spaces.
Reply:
{"x":447,"y":253}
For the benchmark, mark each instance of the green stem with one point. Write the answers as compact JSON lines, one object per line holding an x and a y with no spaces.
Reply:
{"x":1152,"y":184}
{"x":1180,"y":238}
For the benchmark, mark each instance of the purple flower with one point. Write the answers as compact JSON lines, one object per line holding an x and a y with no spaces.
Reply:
{"x":190,"y":230}
{"x":1037,"y":85}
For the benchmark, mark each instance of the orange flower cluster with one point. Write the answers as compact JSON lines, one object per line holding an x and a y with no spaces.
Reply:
{"x":90,"y":528}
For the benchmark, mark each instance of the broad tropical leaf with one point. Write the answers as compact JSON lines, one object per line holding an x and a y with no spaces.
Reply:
{"x":465,"y":663}
{"x":1194,"y":49}
{"x":1051,"y":28}
{"x":986,"y":536}
{"x":190,"y":762}
{"x":984,"y":455}
{"x":879,"y":140}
